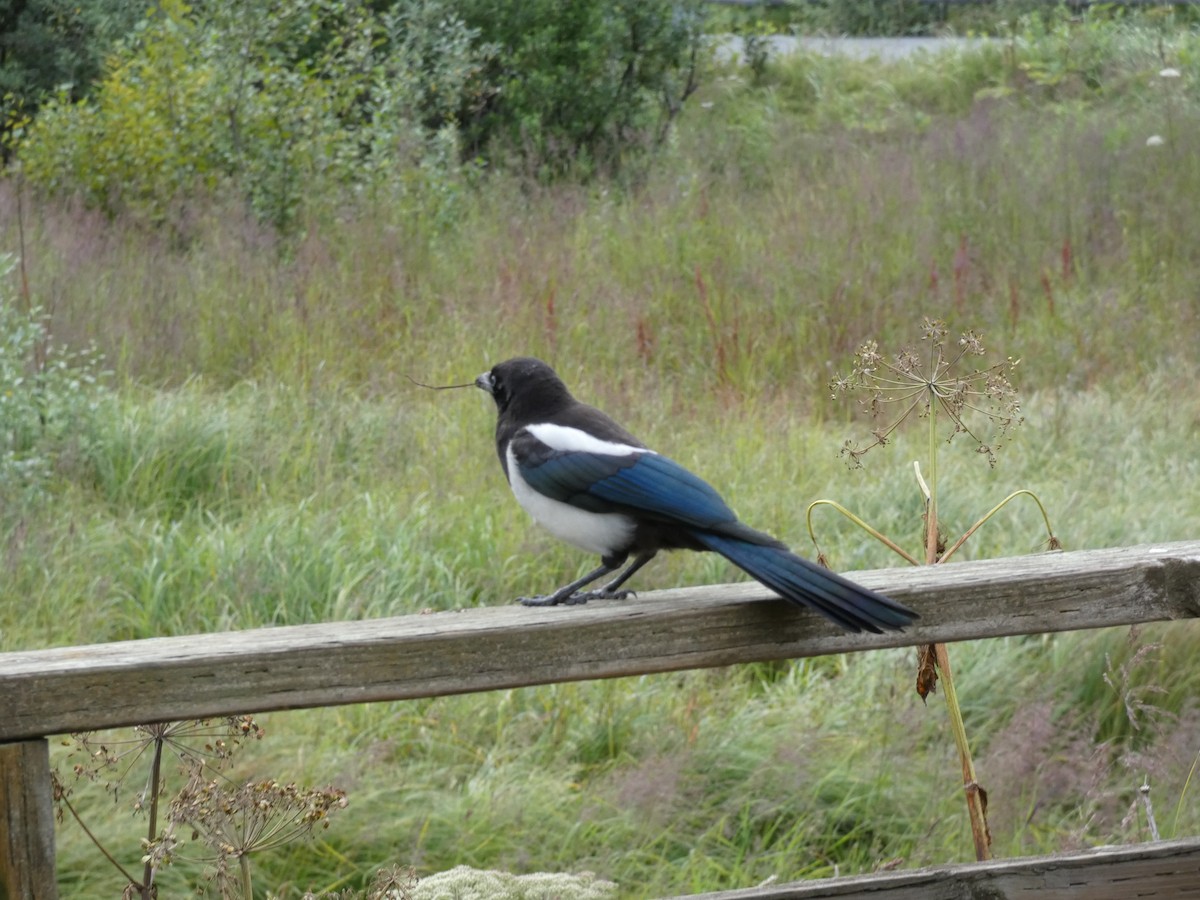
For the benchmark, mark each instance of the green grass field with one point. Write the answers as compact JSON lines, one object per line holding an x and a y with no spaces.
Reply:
{"x":258,"y":457}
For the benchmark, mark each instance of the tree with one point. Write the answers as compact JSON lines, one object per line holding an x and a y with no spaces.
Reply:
{"x":581,"y":83}
{"x":46,"y":45}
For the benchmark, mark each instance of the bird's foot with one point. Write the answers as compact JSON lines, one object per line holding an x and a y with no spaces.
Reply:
{"x":577,"y":599}
{"x":604,"y":594}
{"x":599,"y":594}
{"x":547,"y":600}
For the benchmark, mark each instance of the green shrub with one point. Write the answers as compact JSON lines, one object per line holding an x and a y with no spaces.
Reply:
{"x":580,"y":85}
{"x":46,"y":45}
{"x":276,"y":103}
{"x":280,"y":104}
{"x":149,"y":136}
{"x":47,"y":394}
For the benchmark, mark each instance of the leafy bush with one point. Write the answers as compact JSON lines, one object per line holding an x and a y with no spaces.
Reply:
{"x":577,"y":85}
{"x":47,"y":44}
{"x":276,"y":102}
{"x":47,"y":394}
{"x":279,"y":103}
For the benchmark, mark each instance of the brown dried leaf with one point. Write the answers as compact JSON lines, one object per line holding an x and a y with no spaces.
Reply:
{"x":927,"y":676}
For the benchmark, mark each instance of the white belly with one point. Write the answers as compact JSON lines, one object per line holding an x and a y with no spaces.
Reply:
{"x":599,"y":533}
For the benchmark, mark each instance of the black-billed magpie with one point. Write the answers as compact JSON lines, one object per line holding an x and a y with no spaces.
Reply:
{"x":589,"y":482}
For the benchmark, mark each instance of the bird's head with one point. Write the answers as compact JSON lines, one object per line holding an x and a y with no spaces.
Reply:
{"x":524,"y":386}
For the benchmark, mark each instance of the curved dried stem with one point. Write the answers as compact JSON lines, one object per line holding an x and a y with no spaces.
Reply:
{"x":879,"y":536}
{"x":1187,"y":783}
{"x":1053,"y":541}
{"x":61,"y":796}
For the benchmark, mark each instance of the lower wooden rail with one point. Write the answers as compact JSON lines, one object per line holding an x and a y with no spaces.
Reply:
{"x":1160,"y":869}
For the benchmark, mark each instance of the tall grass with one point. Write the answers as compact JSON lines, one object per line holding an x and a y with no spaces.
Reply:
{"x":664,"y":783}
{"x":263,"y":460}
{"x":789,"y":237}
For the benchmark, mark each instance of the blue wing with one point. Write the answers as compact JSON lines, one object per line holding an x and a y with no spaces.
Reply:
{"x":639,"y":482}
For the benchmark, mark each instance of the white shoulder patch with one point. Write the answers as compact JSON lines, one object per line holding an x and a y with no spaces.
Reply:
{"x":566,"y":439}
{"x":600,"y":533}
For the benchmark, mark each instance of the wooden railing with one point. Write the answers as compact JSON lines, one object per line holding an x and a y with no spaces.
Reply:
{"x":71,"y":689}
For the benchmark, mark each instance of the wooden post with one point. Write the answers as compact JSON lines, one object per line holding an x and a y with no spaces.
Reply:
{"x":26,"y":822}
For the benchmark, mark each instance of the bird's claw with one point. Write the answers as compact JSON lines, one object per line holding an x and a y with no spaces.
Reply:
{"x":577,"y":599}
{"x":611,"y":595}
{"x":548,"y":600}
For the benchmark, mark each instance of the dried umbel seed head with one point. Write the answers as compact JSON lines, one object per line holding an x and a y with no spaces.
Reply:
{"x":918,"y":378}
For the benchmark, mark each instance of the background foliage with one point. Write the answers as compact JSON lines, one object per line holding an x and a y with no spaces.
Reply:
{"x":48,"y":394}
{"x":257,"y":456}
{"x":580,"y":86}
{"x":311,"y":98}
{"x":49,"y":45}
{"x":273,"y":102}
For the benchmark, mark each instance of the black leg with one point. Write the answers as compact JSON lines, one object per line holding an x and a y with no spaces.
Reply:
{"x":572,"y":596}
{"x":567,"y":594}
{"x":610,"y":589}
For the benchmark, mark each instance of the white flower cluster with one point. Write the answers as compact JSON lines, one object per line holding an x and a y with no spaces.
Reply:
{"x":465,"y":883}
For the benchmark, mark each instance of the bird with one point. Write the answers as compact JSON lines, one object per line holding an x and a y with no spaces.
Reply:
{"x":592,"y":484}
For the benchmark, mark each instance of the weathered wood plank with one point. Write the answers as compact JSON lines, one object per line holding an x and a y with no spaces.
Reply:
{"x":1160,"y":869}
{"x":122,"y":683}
{"x":26,"y":823}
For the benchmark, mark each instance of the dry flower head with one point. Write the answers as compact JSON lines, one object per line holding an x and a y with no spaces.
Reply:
{"x":916,"y":378}
{"x":237,"y":820}
{"x":109,"y":759}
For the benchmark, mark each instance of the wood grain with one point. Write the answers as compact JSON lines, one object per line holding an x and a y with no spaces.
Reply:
{"x":26,"y":823}
{"x":67,"y":689}
{"x":1161,"y":869}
